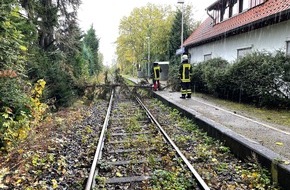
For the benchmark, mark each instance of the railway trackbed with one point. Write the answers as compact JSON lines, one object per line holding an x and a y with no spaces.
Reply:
{"x":134,"y":155}
{"x":135,"y":152}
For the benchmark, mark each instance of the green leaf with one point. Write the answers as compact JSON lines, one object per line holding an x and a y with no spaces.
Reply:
{"x":5,"y":115}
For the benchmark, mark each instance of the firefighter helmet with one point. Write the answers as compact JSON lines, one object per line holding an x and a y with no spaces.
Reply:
{"x":184,"y":57}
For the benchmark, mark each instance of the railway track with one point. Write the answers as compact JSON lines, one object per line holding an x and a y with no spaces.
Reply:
{"x":134,"y":151}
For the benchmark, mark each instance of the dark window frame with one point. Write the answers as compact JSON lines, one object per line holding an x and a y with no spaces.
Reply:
{"x":207,"y":57}
{"x":244,"y":51}
{"x":288,"y":47}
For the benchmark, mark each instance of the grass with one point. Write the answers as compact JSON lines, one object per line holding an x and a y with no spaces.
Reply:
{"x":280,"y":117}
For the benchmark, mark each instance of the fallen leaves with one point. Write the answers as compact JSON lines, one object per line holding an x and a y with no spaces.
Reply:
{"x":118,"y":174}
{"x":54,"y":184}
{"x":53,"y":156}
{"x":279,"y":143}
{"x":3,"y":173}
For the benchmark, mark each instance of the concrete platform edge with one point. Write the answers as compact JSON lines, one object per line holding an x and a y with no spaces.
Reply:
{"x":242,"y":147}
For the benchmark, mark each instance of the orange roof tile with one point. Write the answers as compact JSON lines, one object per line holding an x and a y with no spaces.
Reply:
{"x":207,"y":30}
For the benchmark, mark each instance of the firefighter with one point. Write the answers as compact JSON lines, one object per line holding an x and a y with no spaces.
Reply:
{"x":185,"y":72}
{"x":155,"y":74}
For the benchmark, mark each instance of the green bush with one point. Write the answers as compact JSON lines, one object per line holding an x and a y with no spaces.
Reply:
{"x":260,"y":78}
{"x":59,"y":77}
{"x":60,"y":86}
{"x":209,"y":77}
{"x":197,"y":82}
{"x":173,"y":73}
{"x":12,"y":95}
{"x":15,"y":111}
{"x":213,"y":75}
{"x":173,"y":77}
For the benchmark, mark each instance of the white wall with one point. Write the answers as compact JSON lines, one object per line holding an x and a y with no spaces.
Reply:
{"x":269,"y":38}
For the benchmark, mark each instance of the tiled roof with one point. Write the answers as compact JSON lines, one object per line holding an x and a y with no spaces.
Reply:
{"x":207,"y":30}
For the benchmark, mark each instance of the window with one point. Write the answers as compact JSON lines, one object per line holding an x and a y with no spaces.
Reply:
{"x":207,"y":57}
{"x":235,"y":9}
{"x":246,"y":4}
{"x":216,"y":15}
{"x":254,"y":3}
{"x":288,"y":48}
{"x":227,"y":12}
{"x":243,"y":51}
{"x":225,"y":9}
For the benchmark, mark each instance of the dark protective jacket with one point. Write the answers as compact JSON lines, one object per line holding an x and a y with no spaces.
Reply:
{"x":185,"y":71}
{"x":156,"y":70}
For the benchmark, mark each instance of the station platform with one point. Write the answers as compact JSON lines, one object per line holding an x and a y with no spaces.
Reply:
{"x":246,"y":135}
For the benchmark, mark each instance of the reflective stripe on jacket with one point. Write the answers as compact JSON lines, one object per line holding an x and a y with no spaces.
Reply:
{"x":156,"y":71}
{"x":185,"y":72}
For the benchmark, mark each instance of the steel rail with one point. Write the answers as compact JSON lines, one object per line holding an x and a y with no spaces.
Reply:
{"x":116,"y":85}
{"x":200,"y":181}
{"x":100,"y":145}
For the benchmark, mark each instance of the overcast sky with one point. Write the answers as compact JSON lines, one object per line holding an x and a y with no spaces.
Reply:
{"x":105,"y":17}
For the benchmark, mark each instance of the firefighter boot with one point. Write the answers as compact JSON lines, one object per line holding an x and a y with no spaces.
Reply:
{"x":154,"y":87}
{"x":182,"y":96}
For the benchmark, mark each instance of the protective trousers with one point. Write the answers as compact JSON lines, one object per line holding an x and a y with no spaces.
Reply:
{"x":156,"y":85}
{"x":185,"y":89}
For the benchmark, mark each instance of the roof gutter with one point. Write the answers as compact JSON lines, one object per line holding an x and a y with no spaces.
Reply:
{"x":211,"y":7}
{"x":207,"y":12}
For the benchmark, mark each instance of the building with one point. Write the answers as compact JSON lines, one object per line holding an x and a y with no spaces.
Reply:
{"x":164,"y":65}
{"x":237,"y":27}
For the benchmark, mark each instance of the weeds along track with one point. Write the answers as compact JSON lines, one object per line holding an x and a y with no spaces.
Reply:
{"x":165,"y":151}
{"x":134,"y":154}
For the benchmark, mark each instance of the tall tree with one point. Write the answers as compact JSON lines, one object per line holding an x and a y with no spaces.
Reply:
{"x":148,"y":25}
{"x":175,"y":41}
{"x":52,"y":18}
{"x":13,"y":47}
{"x":57,"y":58}
{"x":14,"y":100}
{"x":12,"y":40}
{"x":189,"y":25}
{"x":175,"y":35}
{"x":91,"y":49}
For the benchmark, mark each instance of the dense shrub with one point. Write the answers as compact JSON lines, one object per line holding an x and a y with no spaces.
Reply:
{"x":213,"y":75}
{"x":173,"y":75}
{"x":14,"y":112}
{"x":60,"y":86}
{"x":260,"y":78}
{"x":33,"y":49}
{"x":19,"y":112}
{"x":197,"y":82}
{"x":59,"y":77}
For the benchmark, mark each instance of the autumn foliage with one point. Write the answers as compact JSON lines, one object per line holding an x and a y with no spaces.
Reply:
{"x":15,"y":125}
{"x":8,"y":73}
